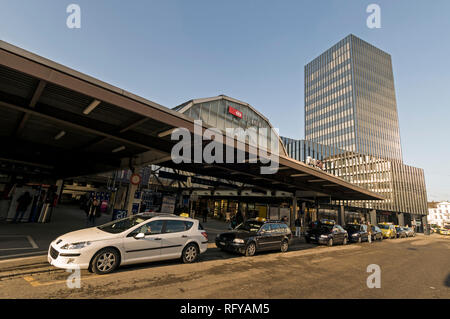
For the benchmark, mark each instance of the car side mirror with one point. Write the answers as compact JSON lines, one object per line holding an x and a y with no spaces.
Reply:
{"x":139,"y":236}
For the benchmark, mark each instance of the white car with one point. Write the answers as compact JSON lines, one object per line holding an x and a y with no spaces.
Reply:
{"x":136,"y":239}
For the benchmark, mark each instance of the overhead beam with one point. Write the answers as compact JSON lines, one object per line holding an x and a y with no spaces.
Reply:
{"x":75,"y":126}
{"x":123,"y":130}
{"x":34,"y":99}
{"x":37,"y":93}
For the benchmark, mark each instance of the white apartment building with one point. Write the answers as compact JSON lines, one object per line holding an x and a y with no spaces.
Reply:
{"x":440,"y":215}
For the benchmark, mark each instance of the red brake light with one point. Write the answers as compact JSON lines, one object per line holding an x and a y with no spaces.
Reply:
{"x":205,"y":235}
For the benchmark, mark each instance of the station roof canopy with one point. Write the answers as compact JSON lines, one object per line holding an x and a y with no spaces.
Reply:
{"x":61,"y":123}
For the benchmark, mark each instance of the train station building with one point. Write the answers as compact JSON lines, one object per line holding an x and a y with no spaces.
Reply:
{"x":60,"y":125}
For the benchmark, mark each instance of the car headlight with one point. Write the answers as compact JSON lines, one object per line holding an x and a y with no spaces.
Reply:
{"x":238,"y":241}
{"x":354,"y":235}
{"x":323,"y":236}
{"x":76,"y":245}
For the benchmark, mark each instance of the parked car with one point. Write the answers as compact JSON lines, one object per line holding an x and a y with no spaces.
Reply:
{"x":327,"y":233}
{"x":409,"y":231}
{"x":357,"y":232}
{"x":136,"y":239}
{"x":376,"y":233}
{"x":444,"y":231}
{"x":401,"y":232}
{"x":388,"y":230}
{"x":255,"y":234}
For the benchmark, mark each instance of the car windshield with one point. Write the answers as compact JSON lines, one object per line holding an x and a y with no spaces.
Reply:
{"x":121,"y":225}
{"x":384,"y":226}
{"x":352,"y":228}
{"x":398,"y":228}
{"x":250,"y":225}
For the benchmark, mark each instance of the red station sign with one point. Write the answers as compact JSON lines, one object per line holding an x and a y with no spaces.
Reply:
{"x":235,"y":112}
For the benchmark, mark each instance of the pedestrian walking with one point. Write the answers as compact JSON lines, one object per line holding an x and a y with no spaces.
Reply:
{"x":369,"y":232}
{"x":205,"y":214}
{"x":297,"y":224}
{"x":239,"y":218}
{"x":22,"y":205}
{"x":93,"y":212}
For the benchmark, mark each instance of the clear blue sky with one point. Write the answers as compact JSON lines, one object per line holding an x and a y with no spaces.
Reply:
{"x":255,"y":51}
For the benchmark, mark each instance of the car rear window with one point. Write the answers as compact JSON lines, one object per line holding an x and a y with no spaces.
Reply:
{"x":175,"y":226}
{"x":188,"y":225}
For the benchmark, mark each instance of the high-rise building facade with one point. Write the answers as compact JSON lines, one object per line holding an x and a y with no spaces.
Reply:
{"x":350,"y":100}
{"x":351,"y":126}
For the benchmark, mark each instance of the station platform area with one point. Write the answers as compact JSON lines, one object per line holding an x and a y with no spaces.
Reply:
{"x":30,"y":239}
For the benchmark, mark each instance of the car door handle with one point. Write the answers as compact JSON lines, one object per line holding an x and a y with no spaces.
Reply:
{"x":184,"y":236}
{"x":157,"y":238}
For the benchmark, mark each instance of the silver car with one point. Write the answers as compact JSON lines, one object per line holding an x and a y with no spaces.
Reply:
{"x":135,"y":239}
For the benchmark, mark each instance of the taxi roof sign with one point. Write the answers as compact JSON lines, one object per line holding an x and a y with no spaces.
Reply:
{"x":328,"y":221}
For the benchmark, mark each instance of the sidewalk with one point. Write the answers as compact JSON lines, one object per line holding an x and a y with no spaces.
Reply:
{"x":30,"y":239}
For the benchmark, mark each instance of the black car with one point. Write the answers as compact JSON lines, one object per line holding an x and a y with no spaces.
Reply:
{"x":255,"y":235}
{"x":376,"y":233}
{"x":357,"y":232}
{"x":401,"y":232}
{"x":326,"y":233}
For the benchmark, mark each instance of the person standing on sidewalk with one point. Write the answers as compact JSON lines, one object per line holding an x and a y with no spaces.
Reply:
{"x":297,"y":224}
{"x":93,"y":212}
{"x":369,"y":232}
{"x":22,"y":205}
{"x":205,"y":214}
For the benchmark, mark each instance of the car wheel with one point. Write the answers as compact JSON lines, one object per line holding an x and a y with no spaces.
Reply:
{"x":190,"y":253}
{"x":284,"y":246}
{"x":105,"y":261}
{"x":345,"y":241}
{"x":250,"y":250}
{"x":330,"y":242}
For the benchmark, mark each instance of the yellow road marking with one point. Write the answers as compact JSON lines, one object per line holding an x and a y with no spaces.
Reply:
{"x":31,"y":281}
{"x":36,"y":283}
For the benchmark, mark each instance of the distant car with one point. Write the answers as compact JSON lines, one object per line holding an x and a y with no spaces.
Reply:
{"x":326,"y":233}
{"x":444,"y":231}
{"x":401,"y":232}
{"x":376,"y":233}
{"x":409,"y":232}
{"x":357,"y":232}
{"x":256,"y":234}
{"x":388,"y":230}
{"x":131,"y":240}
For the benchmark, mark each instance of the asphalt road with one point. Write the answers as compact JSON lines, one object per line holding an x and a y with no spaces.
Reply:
{"x":410,"y":268}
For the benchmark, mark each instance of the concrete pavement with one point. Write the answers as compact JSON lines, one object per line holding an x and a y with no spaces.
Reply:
{"x":410,"y":268}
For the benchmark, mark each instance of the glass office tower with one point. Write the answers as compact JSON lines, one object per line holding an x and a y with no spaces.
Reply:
{"x":350,"y":100}
{"x":351,"y":126}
